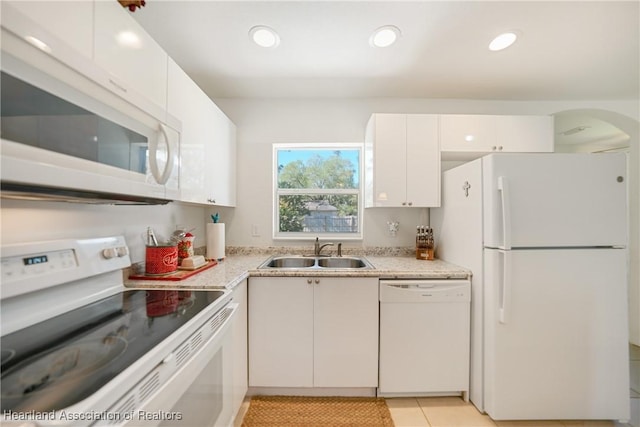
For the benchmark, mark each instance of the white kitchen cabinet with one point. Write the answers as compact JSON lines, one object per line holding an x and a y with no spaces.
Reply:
{"x":189,"y":104}
{"x":467,"y":133}
{"x":136,"y":63}
{"x":240,"y":354}
{"x":525,"y":134}
{"x":221,"y":160}
{"x":345,"y":332}
{"x":468,"y":136}
{"x":280,"y":332}
{"x":402,"y":161}
{"x":207,"y":147}
{"x":313,"y":332}
{"x":53,"y":22}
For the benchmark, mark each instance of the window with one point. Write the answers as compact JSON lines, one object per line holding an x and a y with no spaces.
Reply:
{"x":317,"y":190}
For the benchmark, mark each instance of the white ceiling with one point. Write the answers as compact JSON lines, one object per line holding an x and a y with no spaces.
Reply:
{"x":568,"y":50}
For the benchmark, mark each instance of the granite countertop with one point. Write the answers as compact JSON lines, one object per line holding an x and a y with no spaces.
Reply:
{"x":237,"y":267}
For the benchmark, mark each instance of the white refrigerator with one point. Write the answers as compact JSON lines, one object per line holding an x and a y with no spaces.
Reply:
{"x":545,"y":236}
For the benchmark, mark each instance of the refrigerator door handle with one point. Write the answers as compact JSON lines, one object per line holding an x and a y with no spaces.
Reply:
{"x":503,"y":187}
{"x":505,"y":287}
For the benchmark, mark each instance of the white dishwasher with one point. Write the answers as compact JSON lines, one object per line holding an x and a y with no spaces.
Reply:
{"x":424,"y":337}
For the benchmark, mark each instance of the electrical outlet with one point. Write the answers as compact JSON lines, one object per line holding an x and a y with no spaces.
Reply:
{"x":254,"y":230}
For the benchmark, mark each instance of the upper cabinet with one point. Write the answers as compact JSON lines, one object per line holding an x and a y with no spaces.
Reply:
{"x":60,"y":30}
{"x":60,"y":25}
{"x":221,"y":169}
{"x":135,"y":62}
{"x":208,"y":143}
{"x":402,"y":161}
{"x":465,"y":137}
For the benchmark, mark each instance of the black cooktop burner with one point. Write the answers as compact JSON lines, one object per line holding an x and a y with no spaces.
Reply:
{"x":56,"y":363}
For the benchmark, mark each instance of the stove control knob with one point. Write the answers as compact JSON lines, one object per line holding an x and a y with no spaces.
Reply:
{"x":109,"y":253}
{"x":122,"y":251}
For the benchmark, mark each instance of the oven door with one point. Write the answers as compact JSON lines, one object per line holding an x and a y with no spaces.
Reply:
{"x":199,"y":387}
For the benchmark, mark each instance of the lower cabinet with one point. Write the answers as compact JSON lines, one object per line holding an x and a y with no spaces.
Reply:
{"x":313,"y":332}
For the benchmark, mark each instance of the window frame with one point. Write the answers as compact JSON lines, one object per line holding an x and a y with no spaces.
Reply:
{"x":277,"y":192}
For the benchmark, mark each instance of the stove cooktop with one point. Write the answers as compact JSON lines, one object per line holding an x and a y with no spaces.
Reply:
{"x":59,"y":362}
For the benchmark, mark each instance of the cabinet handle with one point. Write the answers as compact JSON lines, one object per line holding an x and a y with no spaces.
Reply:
{"x":309,"y":281}
{"x":211,"y":200}
{"x":494,"y":148}
{"x":316,"y":281}
{"x":410,"y":203}
{"x":404,"y":203}
{"x":500,"y":148}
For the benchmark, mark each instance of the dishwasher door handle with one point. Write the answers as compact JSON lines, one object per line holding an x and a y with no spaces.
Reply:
{"x":454,"y":290}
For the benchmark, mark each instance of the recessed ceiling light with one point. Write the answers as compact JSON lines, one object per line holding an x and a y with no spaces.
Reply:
{"x":384,"y":36}
{"x":503,"y":41}
{"x":264,"y":36}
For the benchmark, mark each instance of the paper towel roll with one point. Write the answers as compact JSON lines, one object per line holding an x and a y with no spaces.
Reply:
{"x":215,"y":240}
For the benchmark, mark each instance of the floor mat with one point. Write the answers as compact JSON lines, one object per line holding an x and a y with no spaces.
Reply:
{"x":298,"y":411}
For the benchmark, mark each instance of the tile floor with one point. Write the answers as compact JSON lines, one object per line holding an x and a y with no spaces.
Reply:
{"x":455,"y":412}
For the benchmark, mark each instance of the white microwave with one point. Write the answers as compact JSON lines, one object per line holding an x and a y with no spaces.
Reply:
{"x":65,"y":137}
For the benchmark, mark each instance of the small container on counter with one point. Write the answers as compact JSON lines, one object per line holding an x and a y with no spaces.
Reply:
{"x":161,"y":259}
{"x":185,"y":247}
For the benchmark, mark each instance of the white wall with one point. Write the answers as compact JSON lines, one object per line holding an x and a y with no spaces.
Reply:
{"x":29,"y":221}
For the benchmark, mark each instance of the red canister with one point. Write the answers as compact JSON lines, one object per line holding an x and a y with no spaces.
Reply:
{"x":161,"y":259}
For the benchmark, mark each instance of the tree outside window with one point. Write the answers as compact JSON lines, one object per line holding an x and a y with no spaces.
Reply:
{"x":317,"y":190}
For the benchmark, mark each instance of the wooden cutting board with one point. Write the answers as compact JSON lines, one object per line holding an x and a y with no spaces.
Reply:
{"x":176,"y":275}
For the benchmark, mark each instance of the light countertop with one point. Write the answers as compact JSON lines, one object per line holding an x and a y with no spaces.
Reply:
{"x":235,"y":268}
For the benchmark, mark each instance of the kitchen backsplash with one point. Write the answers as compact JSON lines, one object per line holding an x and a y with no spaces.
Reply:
{"x":306,"y":250}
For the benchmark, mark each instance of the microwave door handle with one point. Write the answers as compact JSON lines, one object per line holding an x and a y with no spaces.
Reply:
{"x":161,"y":177}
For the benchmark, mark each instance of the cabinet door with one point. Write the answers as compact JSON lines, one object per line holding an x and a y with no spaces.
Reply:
{"x":390,"y":160}
{"x":280,"y":332}
{"x":208,"y":142}
{"x":239,"y":338}
{"x":52,"y":22}
{"x":220,"y":170}
{"x":188,"y":103}
{"x":525,"y":133}
{"x":345,"y":332}
{"x":423,"y":161}
{"x":471,"y":133}
{"x":138,"y":65}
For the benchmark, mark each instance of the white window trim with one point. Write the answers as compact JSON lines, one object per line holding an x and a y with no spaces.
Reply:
{"x":276,"y":235}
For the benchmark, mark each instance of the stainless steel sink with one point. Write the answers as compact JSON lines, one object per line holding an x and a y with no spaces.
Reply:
{"x":341,"y":262}
{"x":290,"y":262}
{"x":316,"y":262}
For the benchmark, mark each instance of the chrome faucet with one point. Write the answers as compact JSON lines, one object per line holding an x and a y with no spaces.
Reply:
{"x":317,"y":247}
